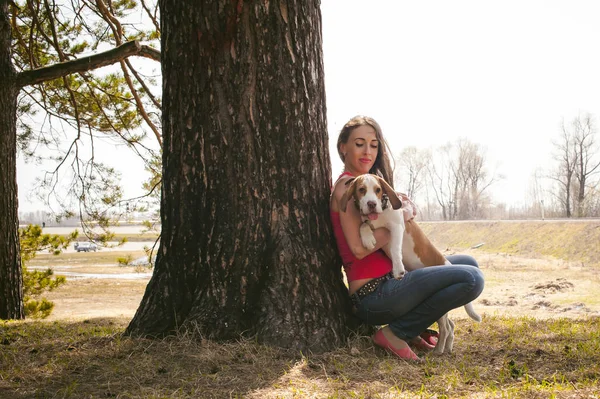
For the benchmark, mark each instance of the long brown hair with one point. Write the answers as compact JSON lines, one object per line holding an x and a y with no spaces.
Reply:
{"x":382,"y":166}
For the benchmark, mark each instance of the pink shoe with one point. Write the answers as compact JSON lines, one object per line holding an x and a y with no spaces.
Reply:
{"x":421,"y":345}
{"x":430,"y":336}
{"x":404,"y":353}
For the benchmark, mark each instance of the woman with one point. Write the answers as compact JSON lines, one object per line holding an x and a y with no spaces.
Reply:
{"x":407,"y":306}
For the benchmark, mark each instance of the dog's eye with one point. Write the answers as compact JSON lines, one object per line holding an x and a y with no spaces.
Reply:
{"x":362,"y":190}
{"x":377,"y":190}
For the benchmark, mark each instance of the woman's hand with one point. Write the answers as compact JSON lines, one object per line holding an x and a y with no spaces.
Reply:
{"x":408,"y":207}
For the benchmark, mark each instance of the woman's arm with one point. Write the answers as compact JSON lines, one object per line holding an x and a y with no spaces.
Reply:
{"x":408,"y":207}
{"x":351,"y":221}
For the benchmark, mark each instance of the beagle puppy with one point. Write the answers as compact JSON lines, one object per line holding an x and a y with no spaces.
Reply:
{"x":377,"y":203}
{"x":409,"y":248}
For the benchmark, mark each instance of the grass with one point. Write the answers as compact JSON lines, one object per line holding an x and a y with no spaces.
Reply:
{"x":508,"y":355}
{"x":130,"y":237}
{"x":150,"y":236}
{"x":499,"y":358}
{"x":567,"y":240}
{"x":78,"y":258}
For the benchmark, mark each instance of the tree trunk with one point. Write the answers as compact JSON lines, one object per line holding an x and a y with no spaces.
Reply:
{"x":568,"y":195}
{"x":581,"y":179}
{"x":11,"y":279}
{"x":246,"y":245}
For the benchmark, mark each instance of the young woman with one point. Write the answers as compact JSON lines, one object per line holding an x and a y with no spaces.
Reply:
{"x":406,"y":306}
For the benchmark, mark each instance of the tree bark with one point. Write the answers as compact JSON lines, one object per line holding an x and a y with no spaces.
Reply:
{"x":11,"y":279}
{"x":246,"y":245}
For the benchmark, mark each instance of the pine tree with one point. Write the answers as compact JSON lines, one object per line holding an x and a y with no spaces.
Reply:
{"x":43,"y":66}
{"x":246,"y":245}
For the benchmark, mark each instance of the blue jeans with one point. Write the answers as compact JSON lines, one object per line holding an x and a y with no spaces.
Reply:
{"x":422,"y":296}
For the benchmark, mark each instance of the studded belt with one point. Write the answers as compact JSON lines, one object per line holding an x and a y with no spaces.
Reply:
{"x":369,"y":288}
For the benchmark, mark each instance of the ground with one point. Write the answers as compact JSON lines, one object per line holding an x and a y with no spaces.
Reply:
{"x":553,"y":351}
{"x":543,"y":288}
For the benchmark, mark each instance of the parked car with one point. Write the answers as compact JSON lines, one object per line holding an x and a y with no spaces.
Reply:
{"x":85,"y":246}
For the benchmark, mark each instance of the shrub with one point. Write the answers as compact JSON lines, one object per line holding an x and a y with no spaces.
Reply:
{"x":124,"y":260}
{"x":36,"y":282}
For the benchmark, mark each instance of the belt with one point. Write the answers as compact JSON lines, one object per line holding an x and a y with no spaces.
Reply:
{"x":369,"y":288}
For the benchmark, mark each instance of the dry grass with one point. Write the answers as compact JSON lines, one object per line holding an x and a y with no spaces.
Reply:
{"x":148,"y":236}
{"x":82,"y":298}
{"x":541,"y":288}
{"x":572,"y":241}
{"x":540,"y":338}
{"x":82,"y":259}
{"x":501,"y":357}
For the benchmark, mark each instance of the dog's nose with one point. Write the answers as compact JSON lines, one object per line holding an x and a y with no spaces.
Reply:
{"x":371,"y":204}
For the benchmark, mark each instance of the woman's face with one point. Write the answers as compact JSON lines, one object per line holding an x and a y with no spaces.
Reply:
{"x":361,"y":150}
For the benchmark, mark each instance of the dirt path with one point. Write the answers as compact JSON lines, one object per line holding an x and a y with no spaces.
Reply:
{"x":539,"y":288}
{"x":91,"y":298}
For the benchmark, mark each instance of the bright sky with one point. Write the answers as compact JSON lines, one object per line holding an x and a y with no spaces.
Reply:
{"x":503,"y":74}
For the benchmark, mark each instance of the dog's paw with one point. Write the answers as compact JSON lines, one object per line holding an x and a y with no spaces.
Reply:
{"x":398,"y":274}
{"x":368,"y":241}
{"x":367,"y":237}
{"x":439,"y":350}
{"x":398,"y":269}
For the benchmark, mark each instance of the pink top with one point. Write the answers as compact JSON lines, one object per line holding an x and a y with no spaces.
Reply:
{"x":374,"y":265}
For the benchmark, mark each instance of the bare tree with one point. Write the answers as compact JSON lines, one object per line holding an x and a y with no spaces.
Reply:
{"x":578,"y":163}
{"x":411,"y":167}
{"x":593,"y":201}
{"x":537,"y":194}
{"x":443,"y":181}
{"x":565,"y":169}
{"x":458,"y":177}
{"x":587,"y":161}
{"x":475,"y":178}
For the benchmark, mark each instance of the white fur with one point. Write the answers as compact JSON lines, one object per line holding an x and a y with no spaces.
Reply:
{"x":401,"y":249}
{"x":389,"y":218}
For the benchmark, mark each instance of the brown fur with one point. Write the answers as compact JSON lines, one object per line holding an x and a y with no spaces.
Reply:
{"x":354,"y":191}
{"x":350,"y":193}
{"x":424,"y":249}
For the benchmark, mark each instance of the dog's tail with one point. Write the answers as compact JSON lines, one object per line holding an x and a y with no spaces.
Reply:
{"x":472,"y":313}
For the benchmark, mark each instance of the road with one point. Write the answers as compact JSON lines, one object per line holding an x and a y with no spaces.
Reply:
{"x":133,"y":246}
{"x":128,"y":246}
{"x":133,"y":229}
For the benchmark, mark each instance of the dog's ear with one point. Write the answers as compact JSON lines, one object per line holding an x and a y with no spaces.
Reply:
{"x":392,"y":195}
{"x":351,"y":183}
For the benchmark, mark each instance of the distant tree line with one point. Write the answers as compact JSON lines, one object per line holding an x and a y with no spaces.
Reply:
{"x":575,"y":177}
{"x":452,"y":182}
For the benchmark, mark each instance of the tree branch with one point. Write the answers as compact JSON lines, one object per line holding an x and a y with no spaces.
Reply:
{"x":117,"y":54}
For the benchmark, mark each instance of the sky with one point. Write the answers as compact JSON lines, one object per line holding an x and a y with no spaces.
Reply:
{"x":503,"y":74}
